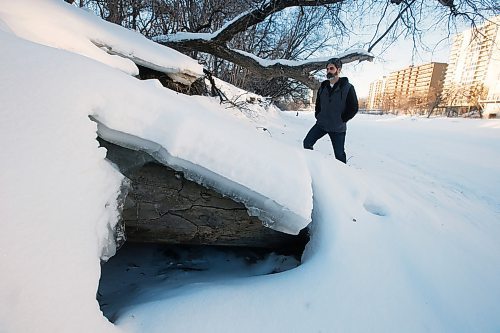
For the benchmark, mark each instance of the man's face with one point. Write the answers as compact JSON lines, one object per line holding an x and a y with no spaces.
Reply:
{"x":333,"y":70}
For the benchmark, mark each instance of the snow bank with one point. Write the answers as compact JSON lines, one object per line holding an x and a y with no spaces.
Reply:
{"x":58,"y":193}
{"x":243,"y":103}
{"x":58,"y":196}
{"x":178,"y":129}
{"x":60,"y":25}
{"x":396,"y":246}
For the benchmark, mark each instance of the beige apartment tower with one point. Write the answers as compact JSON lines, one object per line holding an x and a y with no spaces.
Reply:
{"x":413,"y":89}
{"x":376,"y":95}
{"x":473,"y":77}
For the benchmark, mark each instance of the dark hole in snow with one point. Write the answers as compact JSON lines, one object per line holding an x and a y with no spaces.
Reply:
{"x":141,"y":272}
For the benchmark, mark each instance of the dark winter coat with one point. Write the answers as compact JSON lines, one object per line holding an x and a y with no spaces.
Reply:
{"x":336,"y":105}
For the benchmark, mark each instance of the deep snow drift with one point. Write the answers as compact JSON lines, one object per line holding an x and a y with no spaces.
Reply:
{"x":404,"y":238}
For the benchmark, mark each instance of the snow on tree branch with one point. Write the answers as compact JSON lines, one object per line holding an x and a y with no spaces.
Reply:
{"x":298,"y":70}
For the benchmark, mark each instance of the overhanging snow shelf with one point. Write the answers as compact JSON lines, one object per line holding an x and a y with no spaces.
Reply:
{"x":162,"y":206}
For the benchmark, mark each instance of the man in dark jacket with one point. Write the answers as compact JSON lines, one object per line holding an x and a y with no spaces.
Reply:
{"x":336,"y":104}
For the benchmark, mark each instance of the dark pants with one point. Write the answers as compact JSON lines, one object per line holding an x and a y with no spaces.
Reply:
{"x":338,"y":141}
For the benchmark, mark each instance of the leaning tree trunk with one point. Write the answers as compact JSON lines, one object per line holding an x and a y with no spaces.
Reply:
{"x":164,"y":207}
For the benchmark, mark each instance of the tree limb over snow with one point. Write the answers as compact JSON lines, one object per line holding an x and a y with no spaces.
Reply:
{"x":216,"y":43}
{"x":297,"y":70}
{"x":258,"y":15}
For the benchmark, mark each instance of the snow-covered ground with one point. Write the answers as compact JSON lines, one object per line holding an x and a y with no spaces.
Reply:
{"x":403,"y":239}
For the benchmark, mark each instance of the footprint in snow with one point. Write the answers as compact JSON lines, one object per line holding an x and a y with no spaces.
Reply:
{"x":375,"y":208}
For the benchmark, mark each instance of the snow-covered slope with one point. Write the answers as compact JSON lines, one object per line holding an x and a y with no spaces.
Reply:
{"x":58,"y":196}
{"x":404,"y":240}
{"x":177,"y":129}
{"x":66,"y":27}
{"x":55,"y":227}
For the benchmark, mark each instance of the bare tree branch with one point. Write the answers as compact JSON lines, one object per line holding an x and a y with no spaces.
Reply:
{"x":216,"y":43}
{"x":298,"y":70}
{"x":391,"y":26}
{"x":243,"y":22}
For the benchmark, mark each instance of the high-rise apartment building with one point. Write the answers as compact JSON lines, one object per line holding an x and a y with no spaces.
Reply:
{"x":411,"y":89}
{"x":473,"y":75}
{"x":376,"y":95}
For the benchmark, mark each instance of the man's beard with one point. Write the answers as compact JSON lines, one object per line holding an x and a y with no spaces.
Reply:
{"x":331,"y":76}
